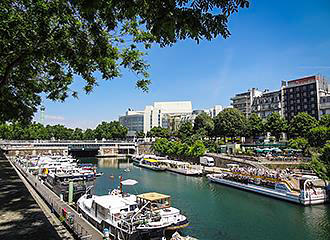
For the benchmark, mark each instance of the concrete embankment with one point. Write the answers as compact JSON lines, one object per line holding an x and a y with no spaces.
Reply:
{"x":20,"y":215}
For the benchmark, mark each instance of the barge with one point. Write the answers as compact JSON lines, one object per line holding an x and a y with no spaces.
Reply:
{"x":310,"y":192}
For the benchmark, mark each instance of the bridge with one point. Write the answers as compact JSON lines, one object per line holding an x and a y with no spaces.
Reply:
{"x":107,"y":148}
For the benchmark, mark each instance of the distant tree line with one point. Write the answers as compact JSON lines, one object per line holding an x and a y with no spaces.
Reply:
{"x":105,"y":130}
{"x":303,"y":131}
{"x":231,"y":124}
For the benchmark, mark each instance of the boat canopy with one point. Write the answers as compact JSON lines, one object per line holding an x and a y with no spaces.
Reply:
{"x":153,"y":196}
{"x":154,"y":200}
{"x":151,"y":160}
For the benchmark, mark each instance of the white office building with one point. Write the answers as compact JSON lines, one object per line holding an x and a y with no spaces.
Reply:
{"x":155,"y":115}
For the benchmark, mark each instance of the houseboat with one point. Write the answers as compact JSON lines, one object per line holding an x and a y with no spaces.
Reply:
{"x":130,"y":217}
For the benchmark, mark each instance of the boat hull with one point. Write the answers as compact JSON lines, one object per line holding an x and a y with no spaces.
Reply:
{"x":154,"y":168}
{"x":269,"y":192}
{"x":178,"y":225}
{"x":183,"y":172}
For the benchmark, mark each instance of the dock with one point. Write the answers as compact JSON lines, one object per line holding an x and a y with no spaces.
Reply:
{"x":21,"y":215}
{"x":79,"y":227}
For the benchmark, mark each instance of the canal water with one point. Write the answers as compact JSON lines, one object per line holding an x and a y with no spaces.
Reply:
{"x":219,"y":212}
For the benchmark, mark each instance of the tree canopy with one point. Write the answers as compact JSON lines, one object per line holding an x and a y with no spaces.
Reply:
{"x":159,"y":132}
{"x":275,"y":124}
{"x":185,"y":131}
{"x":298,"y":143}
{"x":321,"y":164}
{"x":204,"y":122}
{"x":110,"y":130}
{"x":230,"y":123}
{"x":17,"y":131}
{"x":325,"y":120}
{"x":301,"y":124}
{"x":179,"y":149}
{"x":44,"y":44}
{"x":255,"y":126}
{"x":318,"y":136}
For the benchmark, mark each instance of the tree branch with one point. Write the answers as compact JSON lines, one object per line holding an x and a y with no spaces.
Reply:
{"x":9,"y":68}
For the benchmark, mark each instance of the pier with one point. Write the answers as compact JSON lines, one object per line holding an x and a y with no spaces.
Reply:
{"x":78,"y":226}
{"x":22,"y":214}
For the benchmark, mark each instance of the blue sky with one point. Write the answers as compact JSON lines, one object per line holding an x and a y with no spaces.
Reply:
{"x":271,"y":41}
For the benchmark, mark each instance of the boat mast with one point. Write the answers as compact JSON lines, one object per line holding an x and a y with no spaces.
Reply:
{"x":121,"y":185}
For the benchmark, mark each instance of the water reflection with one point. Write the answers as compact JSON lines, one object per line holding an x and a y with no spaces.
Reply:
{"x":113,"y":163}
{"x":317,"y":218}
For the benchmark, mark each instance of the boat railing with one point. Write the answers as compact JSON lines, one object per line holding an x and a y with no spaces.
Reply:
{"x":128,"y":224}
{"x":266,"y":178}
{"x":136,"y":214}
{"x":257,"y":176}
{"x":123,"y":225}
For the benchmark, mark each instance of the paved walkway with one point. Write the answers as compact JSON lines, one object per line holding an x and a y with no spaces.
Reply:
{"x":20,"y":216}
{"x":239,"y":160}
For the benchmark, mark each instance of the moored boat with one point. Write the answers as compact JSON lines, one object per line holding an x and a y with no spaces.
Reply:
{"x":183,"y":168}
{"x":144,"y":216}
{"x":151,"y":163}
{"x":310,"y":190}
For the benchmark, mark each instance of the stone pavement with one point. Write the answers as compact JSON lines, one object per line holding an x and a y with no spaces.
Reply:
{"x":20,"y":216}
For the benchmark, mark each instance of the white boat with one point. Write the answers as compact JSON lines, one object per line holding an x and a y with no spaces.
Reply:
{"x":183,"y":168}
{"x":309,"y":194}
{"x":128,"y":216}
{"x":151,"y":163}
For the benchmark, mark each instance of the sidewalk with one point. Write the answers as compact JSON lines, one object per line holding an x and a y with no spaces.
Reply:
{"x":20,"y":216}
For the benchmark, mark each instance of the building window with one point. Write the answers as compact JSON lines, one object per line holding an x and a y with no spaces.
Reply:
{"x":305,"y":106}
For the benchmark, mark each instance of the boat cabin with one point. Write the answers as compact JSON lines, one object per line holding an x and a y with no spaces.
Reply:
{"x":232,"y":165}
{"x":154,"y":201}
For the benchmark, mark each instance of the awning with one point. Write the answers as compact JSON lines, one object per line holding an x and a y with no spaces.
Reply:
{"x":150,"y":160}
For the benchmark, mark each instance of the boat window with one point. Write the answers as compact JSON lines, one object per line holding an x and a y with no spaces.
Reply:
{"x":132,"y":207}
{"x":124,"y":209}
